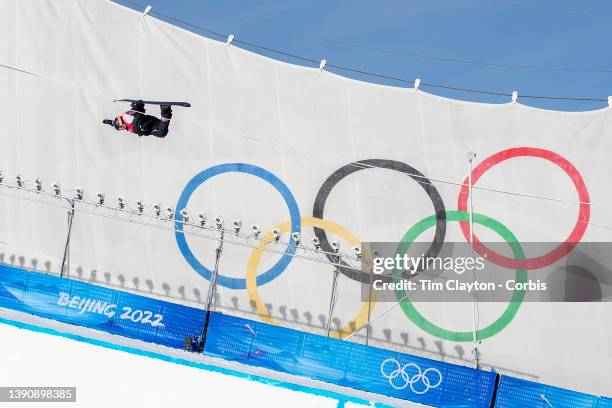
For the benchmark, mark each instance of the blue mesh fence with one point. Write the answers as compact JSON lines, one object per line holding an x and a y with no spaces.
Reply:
{"x":99,"y":308}
{"x":515,"y":392}
{"x":258,"y":344}
{"x":605,"y":402}
{"x":348,"y":364}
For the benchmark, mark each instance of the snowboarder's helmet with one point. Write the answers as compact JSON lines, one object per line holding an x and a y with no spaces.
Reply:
{"x":118,"y":123}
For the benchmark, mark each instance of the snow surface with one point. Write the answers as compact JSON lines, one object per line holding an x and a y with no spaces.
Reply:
{"x":108,"y":372}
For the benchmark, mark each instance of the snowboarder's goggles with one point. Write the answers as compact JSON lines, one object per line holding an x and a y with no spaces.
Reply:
{"x":119,"y":123}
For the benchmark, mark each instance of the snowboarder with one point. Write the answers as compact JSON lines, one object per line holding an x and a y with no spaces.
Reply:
{"x":135,"y":121}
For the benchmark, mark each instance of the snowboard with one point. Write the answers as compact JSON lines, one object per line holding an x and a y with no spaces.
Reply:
{"x":183,"y":104}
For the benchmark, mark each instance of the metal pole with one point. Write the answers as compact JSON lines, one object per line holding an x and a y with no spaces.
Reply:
{"x":369,"y":307}
{"x":332,"y":300}
{"x":67,"y":245}
{"x":377,"y":317}
{"x":212,"y":288}
{"x":472,"y":156}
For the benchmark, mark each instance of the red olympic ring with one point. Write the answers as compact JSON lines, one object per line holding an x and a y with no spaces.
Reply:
{"x":557,"y":253}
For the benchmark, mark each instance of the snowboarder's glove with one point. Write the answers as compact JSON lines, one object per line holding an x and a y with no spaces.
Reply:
{"x":166,"y":111}
{"x":138,"y":106}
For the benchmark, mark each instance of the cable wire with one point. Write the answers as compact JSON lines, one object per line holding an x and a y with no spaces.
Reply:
{"x":423,"y":179}
{"x":414,"y":54}
{"x":455,"y":60}
{"x":426,"y":180}
{"x":421,"y":55}
{"x":322,"y":258}
{"x":364,"y":72}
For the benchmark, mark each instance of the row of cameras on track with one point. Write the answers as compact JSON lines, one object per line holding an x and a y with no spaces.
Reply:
{"x":140,"y":206}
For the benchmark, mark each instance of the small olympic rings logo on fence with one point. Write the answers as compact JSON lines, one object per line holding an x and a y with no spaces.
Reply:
{"x":411,"y":375}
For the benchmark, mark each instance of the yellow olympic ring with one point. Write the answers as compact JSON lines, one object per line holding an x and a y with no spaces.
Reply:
{"x":251,"y":275}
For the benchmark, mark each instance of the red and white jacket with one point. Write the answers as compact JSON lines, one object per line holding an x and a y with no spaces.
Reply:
{"x":127,"y":120}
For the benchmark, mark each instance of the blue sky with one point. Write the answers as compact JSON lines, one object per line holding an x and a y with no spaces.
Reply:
{"x":378,"y":36}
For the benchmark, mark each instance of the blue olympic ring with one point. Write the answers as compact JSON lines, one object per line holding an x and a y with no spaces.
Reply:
{"x":294,"y":213}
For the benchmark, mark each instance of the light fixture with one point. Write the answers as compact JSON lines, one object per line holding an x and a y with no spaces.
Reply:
{"x":157,"y":210}
{"x":185,"y":215}
{"x":202,"y":218}
{"x":256,"y":231}
{"x":122,"y":203}
{"x":1,"y":176}
{"x":316,"y":243}
{"x":276,"y":234}
{"x":56,"y":188}
{"x":100,"y":197}
{"x":79,"y":193}
{"x":297,"y":238}
{"x":170,"y":212}
{"x":19,"y":181}
{"x":140,"y":207}
{"x":335,"y":246}
{"x":357,"y":250}
{"x":38,"y":184}
{"x":219,"y":222}
{"x":237,"y":226}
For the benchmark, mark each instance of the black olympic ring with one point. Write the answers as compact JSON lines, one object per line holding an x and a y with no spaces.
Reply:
{"x":342,"y":172}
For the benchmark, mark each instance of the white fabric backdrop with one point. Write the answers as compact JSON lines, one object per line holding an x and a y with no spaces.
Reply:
{"x":300,"y":124}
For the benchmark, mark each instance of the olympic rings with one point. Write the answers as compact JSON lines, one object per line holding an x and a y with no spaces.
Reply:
{"x":401,"y":371}
{"x":342,"y":172}
{"x":251,"y":275}
{"x":557,"y":253}
{"x":294,"y":212}
{"x":520,"y":263}
{"x":517,"y":296}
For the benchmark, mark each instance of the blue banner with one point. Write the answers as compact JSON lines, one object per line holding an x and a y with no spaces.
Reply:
{"x":99,"y":308}
{"x":515,"y":392}
{"x":605,"y":402}
{"x":348,"y":364}
{"x":298,"y":353}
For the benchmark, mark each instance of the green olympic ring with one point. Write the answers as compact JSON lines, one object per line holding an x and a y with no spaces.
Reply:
{"x":517,"y":296}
